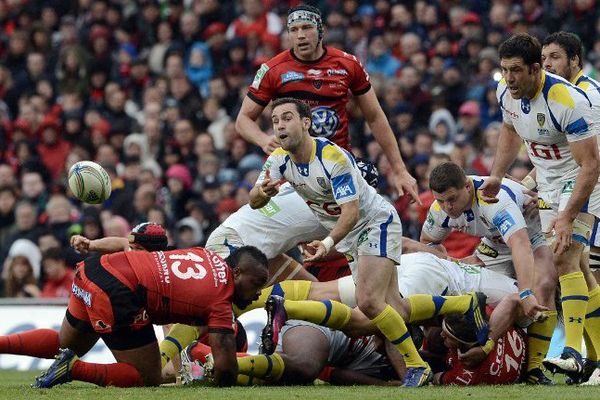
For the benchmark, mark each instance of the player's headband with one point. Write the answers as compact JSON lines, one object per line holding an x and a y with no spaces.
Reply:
{"x":306,"y":16}
{"x":450,"y":332}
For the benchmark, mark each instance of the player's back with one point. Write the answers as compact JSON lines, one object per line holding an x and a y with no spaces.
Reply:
{"x":323,"y":84}
{"x":187,"y":285}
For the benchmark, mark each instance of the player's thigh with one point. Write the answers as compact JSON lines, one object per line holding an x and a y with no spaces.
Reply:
{"x":77,"y":335}
{"x":305,"y":350}
{"x":138,"y":348}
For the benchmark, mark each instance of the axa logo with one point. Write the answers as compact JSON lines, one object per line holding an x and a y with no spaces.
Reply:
{"x":343,"y":191}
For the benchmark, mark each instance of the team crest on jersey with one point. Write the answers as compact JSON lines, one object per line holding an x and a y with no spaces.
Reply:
{"x":322,"y":182}
{"x":541,"y":118}
{"x":325,"y":121}
{"x":291,"y":76}
{"x":317,"y":83}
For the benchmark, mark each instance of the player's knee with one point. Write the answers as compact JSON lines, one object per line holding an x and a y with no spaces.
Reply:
{"x":153,"y":378}
{"x":370,"y":304}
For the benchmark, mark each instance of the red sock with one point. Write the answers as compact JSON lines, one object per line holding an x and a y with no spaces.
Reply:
{"x":200,"y":351}
{"x":41,"y":343}
{"x":117,"y":374}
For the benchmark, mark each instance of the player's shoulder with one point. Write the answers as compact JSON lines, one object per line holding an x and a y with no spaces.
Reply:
{"x":282,"y":57}
{"x":338,"y":55}
{"x":501,"y":91}
{"x":587,"y":84}
{"x":330,"y":152}
{"x":280,"y":152}
{"x":559,"y":91}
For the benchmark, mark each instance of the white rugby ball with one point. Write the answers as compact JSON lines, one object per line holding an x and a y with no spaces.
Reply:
{"x":89,"y":182}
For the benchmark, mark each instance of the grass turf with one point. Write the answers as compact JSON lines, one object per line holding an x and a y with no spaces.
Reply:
{"x":15,"y":385}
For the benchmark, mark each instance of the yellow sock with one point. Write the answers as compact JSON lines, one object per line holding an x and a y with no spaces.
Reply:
{"x":425,"y":306}
{"x":290,"y":290}
{"x":176,"y":340}
{"x":262,"y":366}
{"x":574,"y":304}
{"x":329,"y":313}
{"x":245,"y":380}
{"x":539,"y":335}
{"x":591,"y":327}
{"x":391,"y":324}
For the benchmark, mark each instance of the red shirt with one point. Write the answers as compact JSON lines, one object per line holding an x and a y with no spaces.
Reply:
{"x":502,"y":366}
{"x":59,"y":288}
{"x":323,"y":84}
{"x":190,"y":286}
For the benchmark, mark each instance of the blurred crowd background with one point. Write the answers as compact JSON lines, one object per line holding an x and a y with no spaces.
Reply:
{"x":150,"y":89}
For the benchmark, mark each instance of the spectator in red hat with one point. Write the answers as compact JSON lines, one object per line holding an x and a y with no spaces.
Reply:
{"x":469,"y":120}
{"x":225,"y":208}
{"x":53,"y":149}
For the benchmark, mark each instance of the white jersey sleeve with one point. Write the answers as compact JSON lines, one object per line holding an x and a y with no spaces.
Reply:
{"x":436,"y":225}
{"x":344,"y":176}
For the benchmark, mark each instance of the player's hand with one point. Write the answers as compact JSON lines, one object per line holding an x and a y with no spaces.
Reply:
{"x":563,"y":232}
{"x":269,"y":146}
{"x":472,"y":357}
{"x":532,"y":308}
{"x":490,"y":188}
{"x":81,"y":244}
{"x":530,"y":205}
{"x":314,"y":251}
{"x":268,"y":187}
{"x":406,"y":184}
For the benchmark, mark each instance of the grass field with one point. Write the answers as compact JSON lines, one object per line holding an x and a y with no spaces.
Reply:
{"x":15,"y":385}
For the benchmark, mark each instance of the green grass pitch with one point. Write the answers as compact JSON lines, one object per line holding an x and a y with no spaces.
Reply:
{"x":15,"y":385}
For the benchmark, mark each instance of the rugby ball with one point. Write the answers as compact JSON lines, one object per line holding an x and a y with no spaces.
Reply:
{"x":89,"y":182}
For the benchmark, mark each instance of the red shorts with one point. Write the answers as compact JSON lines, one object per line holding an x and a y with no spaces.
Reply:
{"x":106,"y":299}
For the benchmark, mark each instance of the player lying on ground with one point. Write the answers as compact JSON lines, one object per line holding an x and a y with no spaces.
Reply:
{"x":307,"y":352}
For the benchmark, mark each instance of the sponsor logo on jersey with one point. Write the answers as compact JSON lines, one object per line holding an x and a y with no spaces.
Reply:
{"x":81,"y":294}
{"x":270,"y":209}
{"x":364,"y":235}
{"x":511,"y":113}
{"x":469,"y":215}
{"x":525,"y":105}
{"x":430,"y":220}
{"x":487,"y":250}
{"x":343,"y":186}
{"x":260,"y":74}
{"x":325,"y":121}
{"x":503,"y":221}
{"x":302,"y":169}
{"x":338,"y":72}
{"x":102,"y":325}
{"x":568,"y":187}
{"x":291,"y":76}
{"x":314,"y":72}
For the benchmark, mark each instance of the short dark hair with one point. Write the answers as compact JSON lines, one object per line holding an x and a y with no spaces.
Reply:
{"x":462,"y":329}
{"x":569,"y":42}
{"x":302,"y":108}
{"x":54,"y":253}
{"x":445,"y":176}
{"x":249,"y":251}
{"x":524,"y":46}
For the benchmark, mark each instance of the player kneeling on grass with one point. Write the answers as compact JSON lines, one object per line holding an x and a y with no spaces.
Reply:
{"x":117,"y":297}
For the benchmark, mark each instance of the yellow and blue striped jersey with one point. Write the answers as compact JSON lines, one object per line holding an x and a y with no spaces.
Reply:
{"x":329,"y":179}
{"x":558,"y":114}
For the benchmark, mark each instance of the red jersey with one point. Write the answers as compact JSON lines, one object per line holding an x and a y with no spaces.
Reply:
{"x":323,"y":84}
{"x":59,"y":288}
{"x":190,"y":286}
{"x":502,"y":366}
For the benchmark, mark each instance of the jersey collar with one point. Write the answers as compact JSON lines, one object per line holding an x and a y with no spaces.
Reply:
{"x":542,"y":83}
{"x":576,"y":77}
{"x":318,"y":60}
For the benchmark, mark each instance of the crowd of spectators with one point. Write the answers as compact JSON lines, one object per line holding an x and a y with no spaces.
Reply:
{"x":150,"y":89}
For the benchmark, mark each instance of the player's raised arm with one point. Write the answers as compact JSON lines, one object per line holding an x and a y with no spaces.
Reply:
{"x":371,"y":109}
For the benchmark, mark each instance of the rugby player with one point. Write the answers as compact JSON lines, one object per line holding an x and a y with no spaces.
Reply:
{"x":555,"y":121}
{"x":322,"y":77}
{"x":512,"y":244}
{"x":562,"y":55}
{"x":117,"y":297}
{"x":360,"y":222}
